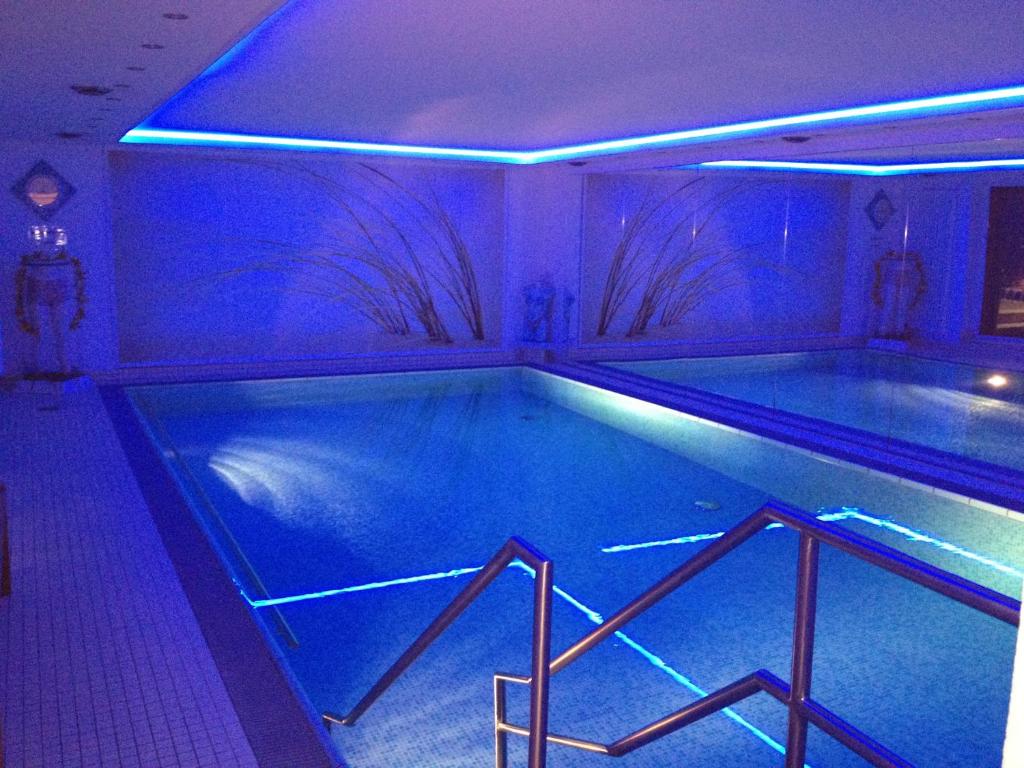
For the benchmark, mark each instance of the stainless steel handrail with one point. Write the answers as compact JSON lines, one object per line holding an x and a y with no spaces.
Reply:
{"x":5,"y":547}
{"x":796,"y":696}
{"x":514,"y":549}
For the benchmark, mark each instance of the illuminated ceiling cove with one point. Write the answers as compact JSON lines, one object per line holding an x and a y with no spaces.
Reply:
{"x":866,"y":169}
{"x":535,"y":81}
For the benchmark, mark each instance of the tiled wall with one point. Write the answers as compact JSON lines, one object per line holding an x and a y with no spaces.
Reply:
{"x":548,"y":265}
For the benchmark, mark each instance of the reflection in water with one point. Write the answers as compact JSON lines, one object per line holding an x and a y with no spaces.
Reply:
{"x":924,"y":399}
{"x":339,"y":481}
{"x":977,"y":412}
{"x":299,"y":481}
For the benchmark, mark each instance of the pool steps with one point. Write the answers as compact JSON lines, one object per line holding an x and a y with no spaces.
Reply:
{"x":795,"y":695}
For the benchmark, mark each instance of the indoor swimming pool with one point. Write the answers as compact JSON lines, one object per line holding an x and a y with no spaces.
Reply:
{"x":970,"y":411}
{"x":350,"y":510}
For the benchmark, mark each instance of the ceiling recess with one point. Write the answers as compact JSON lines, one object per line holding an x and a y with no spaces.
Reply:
{"x":91,"y":90}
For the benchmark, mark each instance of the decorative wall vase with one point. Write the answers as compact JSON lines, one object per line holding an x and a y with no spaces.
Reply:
{"x":43,"y":190}
{"x":898,"y":286}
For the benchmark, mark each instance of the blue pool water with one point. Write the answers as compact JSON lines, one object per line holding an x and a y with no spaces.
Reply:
{"x":947,"y":406}
{"x":338,"y":492}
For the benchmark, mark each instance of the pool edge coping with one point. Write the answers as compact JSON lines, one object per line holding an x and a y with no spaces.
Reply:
{"x":279,"y":723}
{"x":915,"y":467}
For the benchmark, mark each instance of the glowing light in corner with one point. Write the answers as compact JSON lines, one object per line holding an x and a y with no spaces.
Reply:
{"x":997,"y":380}
{"x":956,"y":102}
{"x":864,"y":169}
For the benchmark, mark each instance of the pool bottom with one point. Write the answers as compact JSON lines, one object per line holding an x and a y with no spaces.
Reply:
{"x":346,"y":640}
{"x":711,"y":739}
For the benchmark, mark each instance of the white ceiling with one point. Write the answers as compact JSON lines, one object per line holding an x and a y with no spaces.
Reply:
{"x":540,"y":73}
{"x":46,"y":46}
{"x":517,"y":74}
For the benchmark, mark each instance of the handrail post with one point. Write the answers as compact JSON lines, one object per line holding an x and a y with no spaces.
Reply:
{"x":541,"y":664}
{"x":5,"y":546}
{"x":803,"y":650}
{"x":500,"y":715}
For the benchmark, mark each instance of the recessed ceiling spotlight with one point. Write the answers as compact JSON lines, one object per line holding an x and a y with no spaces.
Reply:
{"x":113,"y":98}
{"x":69,"y":134}
{"x":153,"y":46}
{"x":90,"y":90}
{"x":796,"y":139}
{"x":577,"y":163}
{"x":121,"y":85}
{"x":135,"y":68}
{"x":176,"y":16}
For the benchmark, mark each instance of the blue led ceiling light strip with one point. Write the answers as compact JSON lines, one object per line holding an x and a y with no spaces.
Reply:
{"x":864,"y":169}
{"x":143,"y":135}
{"x":958,"y":102}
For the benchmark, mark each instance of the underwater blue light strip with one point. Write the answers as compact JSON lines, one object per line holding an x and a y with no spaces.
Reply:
{"x":924,"y":538}
{"x":361,"y":587}
{"x":957,"y":102}
{"x":658,"y":663}
{"x":590,"y":613}
{"x":846,"y":513}
{"x":864,"y":169}
{"x":829,"y":517}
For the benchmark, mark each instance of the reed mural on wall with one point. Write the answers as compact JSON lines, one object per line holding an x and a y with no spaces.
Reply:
{"x":686,"y":256}
{"x":317,"y":257}
{"x":386,"y":254}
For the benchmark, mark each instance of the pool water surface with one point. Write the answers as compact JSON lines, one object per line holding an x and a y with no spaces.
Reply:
{"x":973,"y":412}
{"x":354,"y":508}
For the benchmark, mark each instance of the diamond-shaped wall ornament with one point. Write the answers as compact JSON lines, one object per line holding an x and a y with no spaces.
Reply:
{"x":880,"y":209}
{"x":43,"y":189}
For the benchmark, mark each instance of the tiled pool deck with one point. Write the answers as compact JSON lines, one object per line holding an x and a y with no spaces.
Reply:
{"x":104,"y":663}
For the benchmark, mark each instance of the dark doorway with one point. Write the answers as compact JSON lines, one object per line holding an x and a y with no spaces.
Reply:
{"x":1002,"y":312}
